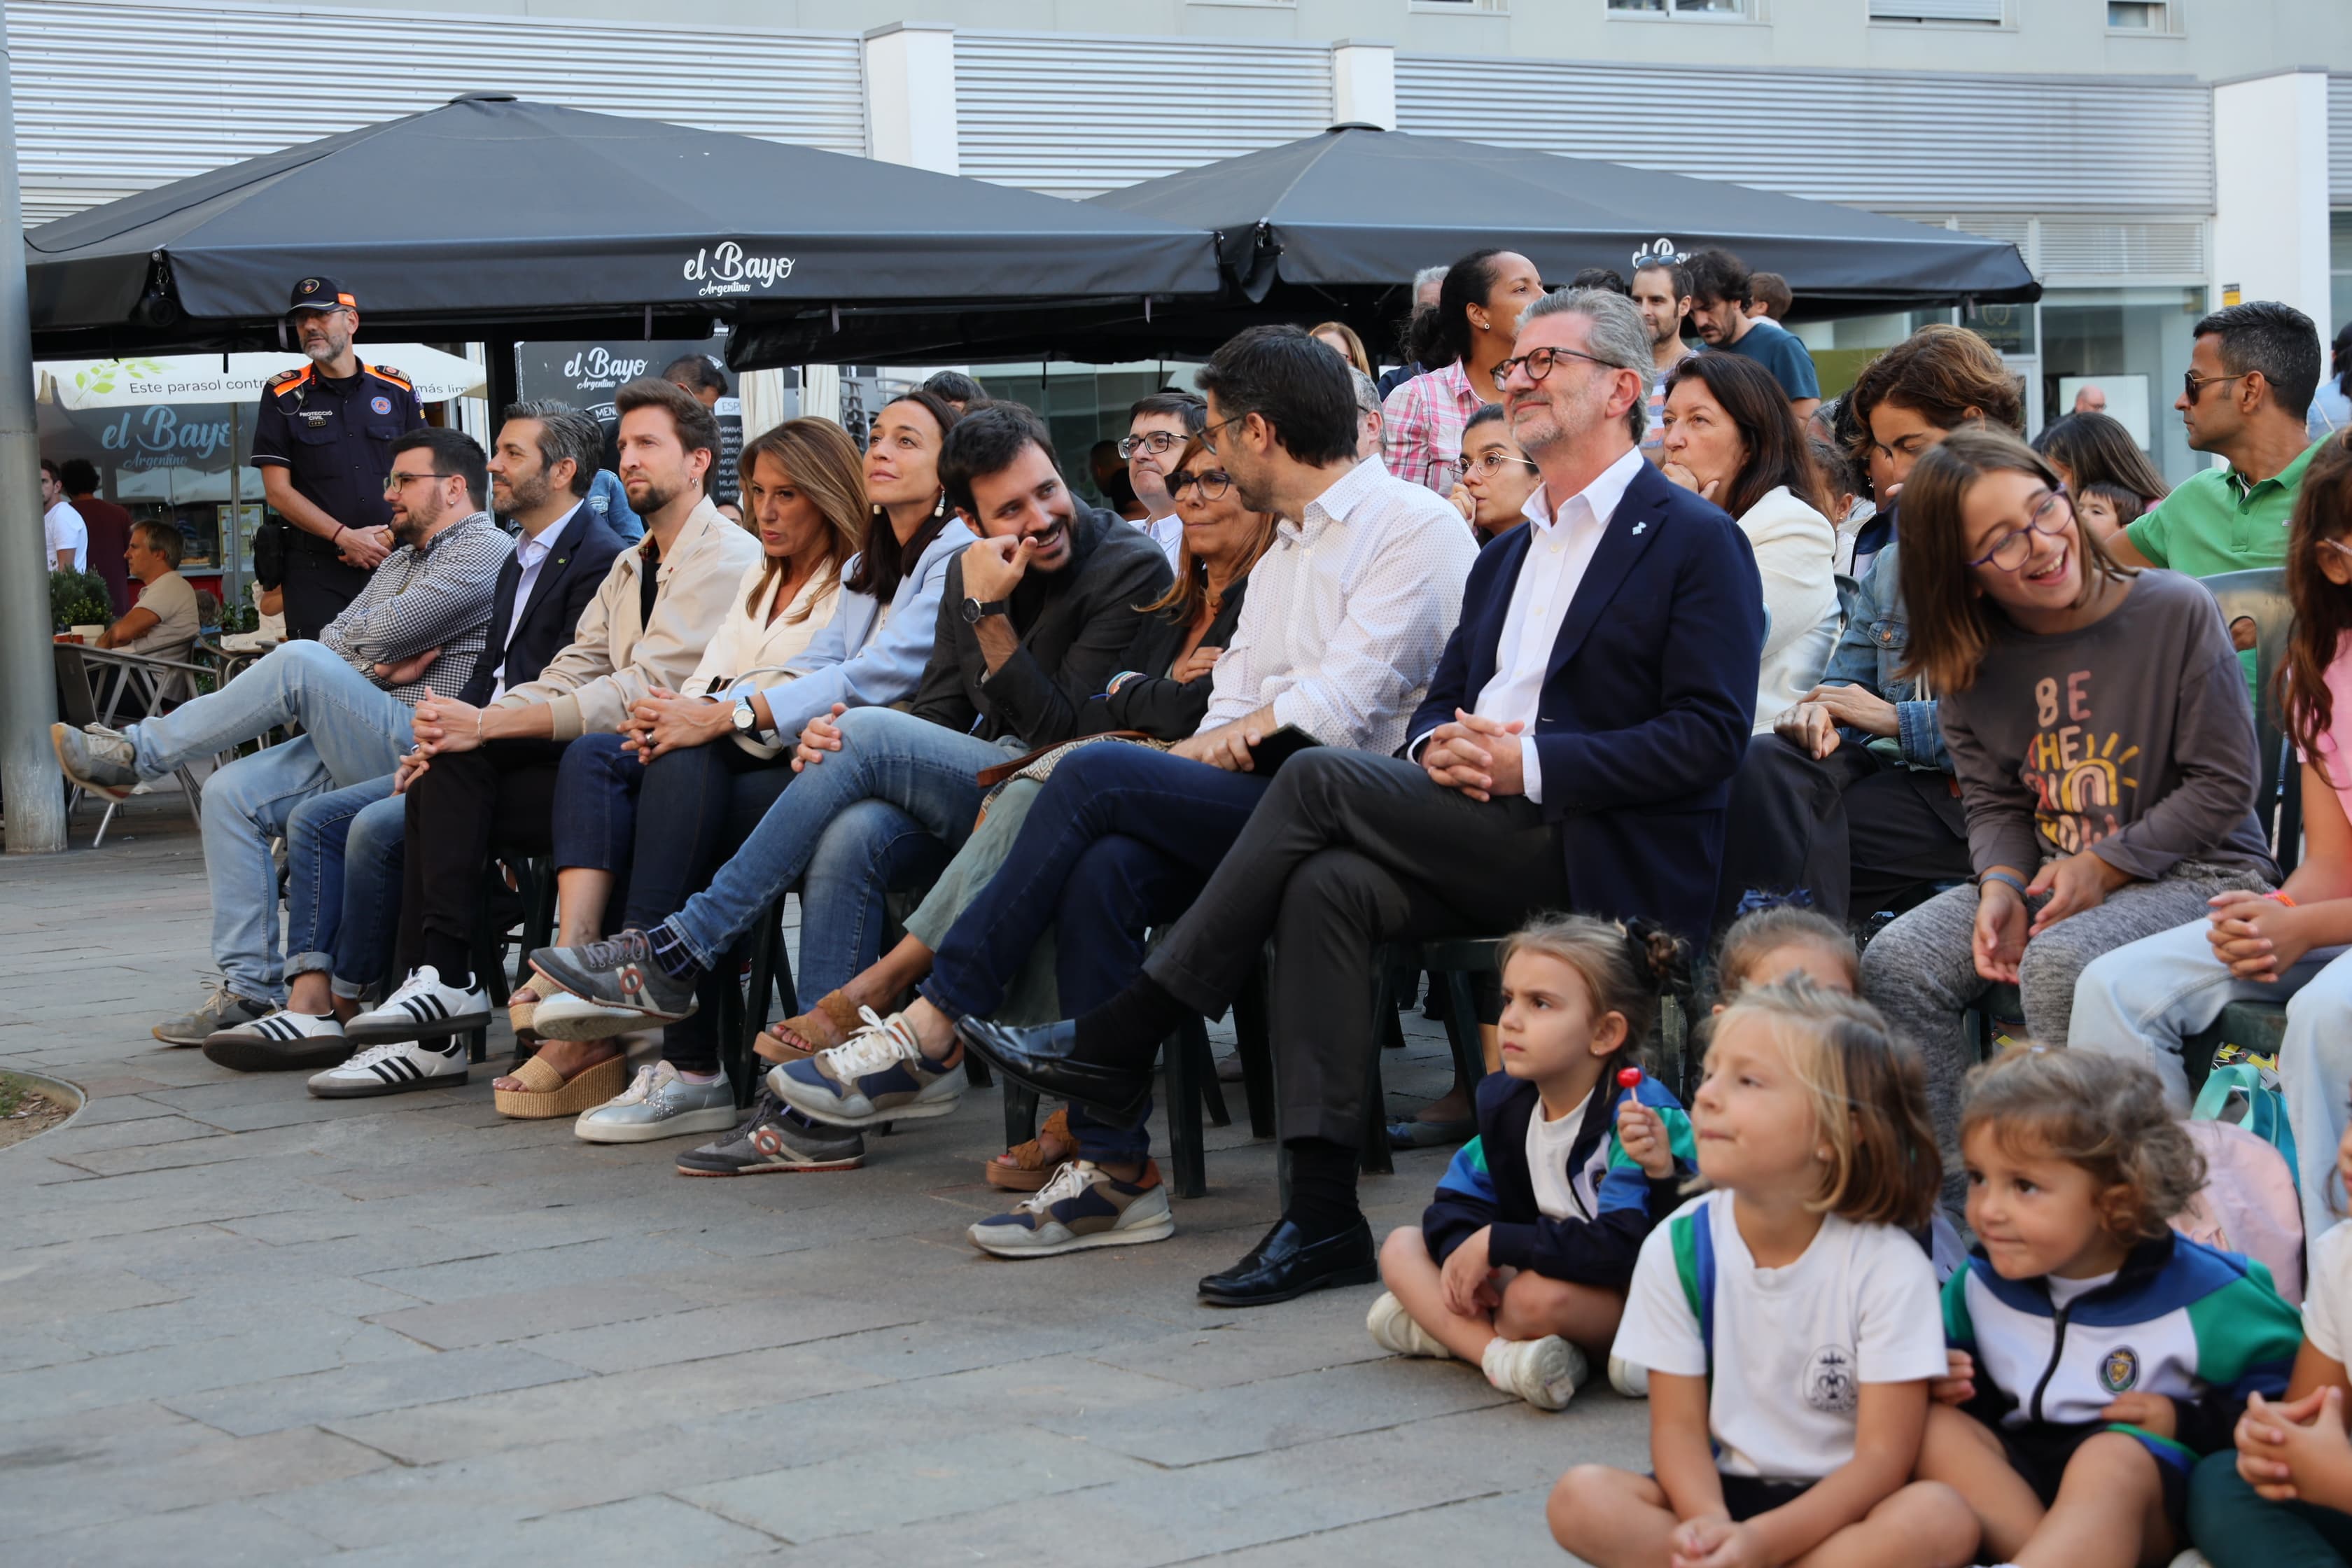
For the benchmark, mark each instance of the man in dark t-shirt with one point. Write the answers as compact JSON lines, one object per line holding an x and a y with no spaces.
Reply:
{"x":1721,"y":292}
{"x":110,"y":530}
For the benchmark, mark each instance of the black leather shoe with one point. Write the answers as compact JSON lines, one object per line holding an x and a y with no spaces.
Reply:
{"x":1039,"y":1058}
{"x":1286,"y":1264}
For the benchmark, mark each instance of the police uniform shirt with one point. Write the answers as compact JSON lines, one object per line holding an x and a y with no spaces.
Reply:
{"x":335,"y":438}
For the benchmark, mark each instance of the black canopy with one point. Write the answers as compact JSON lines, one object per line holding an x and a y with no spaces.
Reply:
{"x":495,"y":218}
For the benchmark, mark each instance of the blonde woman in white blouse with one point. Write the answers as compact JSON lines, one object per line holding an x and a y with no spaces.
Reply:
{"x":1731,"y":436}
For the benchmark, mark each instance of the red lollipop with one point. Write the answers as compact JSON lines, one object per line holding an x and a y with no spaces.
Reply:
{"x":1629,"y":1077}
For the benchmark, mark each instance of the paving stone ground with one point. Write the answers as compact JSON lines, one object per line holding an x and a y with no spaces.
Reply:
{"x":240,"y":1325}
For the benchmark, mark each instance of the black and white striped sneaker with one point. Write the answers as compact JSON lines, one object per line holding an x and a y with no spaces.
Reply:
{"x":280,"y":1041}
{"x":421,"y":1009}
{"x":394,"y":1068}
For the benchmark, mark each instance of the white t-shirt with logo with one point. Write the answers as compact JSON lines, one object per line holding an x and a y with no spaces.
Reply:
{"x":1793,"y":1345}
{"x":1548,"y":1145}
{"x":63,"y":528}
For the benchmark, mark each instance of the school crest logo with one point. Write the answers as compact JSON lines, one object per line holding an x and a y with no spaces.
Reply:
{"x":1831,"y":1385}
{"x":381,"y":405}
{"x":2119,"y":1370}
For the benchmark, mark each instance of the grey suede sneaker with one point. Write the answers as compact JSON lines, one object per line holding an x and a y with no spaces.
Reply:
{"x":97,"y":759}
{"x":223,"y":1010}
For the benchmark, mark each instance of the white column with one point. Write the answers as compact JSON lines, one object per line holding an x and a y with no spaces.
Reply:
{"x":1363,"y":83}
{"x":2270,"y":177}
{"x":910,"y":96}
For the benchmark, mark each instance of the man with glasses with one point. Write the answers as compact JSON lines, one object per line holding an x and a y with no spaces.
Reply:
{"x":322,"y":441}
{"x":1157,"y":427}
{"x":2247,"y":391}
{"x":1574,"y":751}
{"x":417,"y":629}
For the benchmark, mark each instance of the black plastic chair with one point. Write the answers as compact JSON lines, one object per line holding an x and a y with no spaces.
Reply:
{"x":534,"y":878}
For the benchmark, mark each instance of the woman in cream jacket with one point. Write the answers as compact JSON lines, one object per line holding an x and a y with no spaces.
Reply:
{"x":1731,"y":437}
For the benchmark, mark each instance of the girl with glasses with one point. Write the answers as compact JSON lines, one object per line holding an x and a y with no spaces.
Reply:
{"x":2098,"y":723}
{"x":1496,"y":476}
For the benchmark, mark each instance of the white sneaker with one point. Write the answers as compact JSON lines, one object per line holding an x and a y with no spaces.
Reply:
{"x":421,"y":1009}
{"x":879,"y":1074}
{"x":658,"y":1104}
{"x":1393,"y":1328}
{"x":1628,"y":1378}
{"x":394,"y":1068}
{"x":563,"y":1016}
{"x":281,"y":1041}
{"x":1083,"y":1206}
{"x":1546,"y":1372}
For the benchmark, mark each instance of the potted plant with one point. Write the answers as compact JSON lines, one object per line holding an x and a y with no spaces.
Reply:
{"x":79,"y":602}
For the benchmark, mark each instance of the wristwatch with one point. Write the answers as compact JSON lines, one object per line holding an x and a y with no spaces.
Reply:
{"x":746,"y":720}
{"x":974,"y":610}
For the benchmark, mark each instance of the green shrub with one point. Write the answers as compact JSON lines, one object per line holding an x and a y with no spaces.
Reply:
{"x":79,"y":599}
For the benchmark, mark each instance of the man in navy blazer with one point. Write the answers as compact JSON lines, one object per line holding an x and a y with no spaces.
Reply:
{"x":1575,"y":753}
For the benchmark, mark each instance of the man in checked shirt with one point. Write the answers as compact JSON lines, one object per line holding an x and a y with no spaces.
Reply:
{"x":417,"y":629}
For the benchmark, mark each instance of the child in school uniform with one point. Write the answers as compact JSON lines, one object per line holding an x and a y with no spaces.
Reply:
{"x":1787,"y":1320}
{"x":2097,"y":1354}
{"x":1520,"y":1265}
{"x":2282,"y":1497}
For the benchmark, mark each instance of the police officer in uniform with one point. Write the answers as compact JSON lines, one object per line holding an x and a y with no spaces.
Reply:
{"x":323,"y":444}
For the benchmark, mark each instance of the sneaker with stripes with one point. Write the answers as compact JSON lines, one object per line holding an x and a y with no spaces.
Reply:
{"x":394,"y":1068}
{"x":421,"y":1009}
{"x":281,"y":1041}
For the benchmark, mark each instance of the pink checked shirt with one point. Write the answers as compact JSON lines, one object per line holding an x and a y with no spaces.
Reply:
{"x":1421,"y":425}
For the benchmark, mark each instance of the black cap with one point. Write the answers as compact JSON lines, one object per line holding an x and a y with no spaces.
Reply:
{"x":320,"y":294}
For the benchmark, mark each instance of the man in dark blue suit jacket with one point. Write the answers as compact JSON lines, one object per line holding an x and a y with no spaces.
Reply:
{"x":1575,"y":753}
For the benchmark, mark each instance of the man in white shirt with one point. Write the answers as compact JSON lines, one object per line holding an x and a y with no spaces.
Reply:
{"x":1575,"y":751}
{"x":61,"y":526}
{"x":1347,"y":612}
{"x":1157,"y":427}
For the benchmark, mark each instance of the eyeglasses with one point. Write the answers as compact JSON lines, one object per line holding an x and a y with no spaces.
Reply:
{"x":1213,"y":483}
{"x":1487,"y":466}
{"x":2191,"y":384}
{"x":1539,"y":363}
{"x":396,"y":479}
{"x":2011,"y":550}
{"x":1208,"y":437}
{"x":1155,"y":442}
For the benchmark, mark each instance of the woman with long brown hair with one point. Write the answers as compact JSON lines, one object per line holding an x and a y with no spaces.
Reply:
{"x":2143,"y":999}
{"x":2098,"y":721}
{"x":1161,"y":694}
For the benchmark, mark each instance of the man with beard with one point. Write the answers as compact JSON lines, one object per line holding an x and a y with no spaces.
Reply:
{"x":485,"y":775}
{"x":1574,"y":751}
{"x":1662,"y":293}
{"x":344,"y":848}
{"x":417,"y":629}
{"x":322,"y":440}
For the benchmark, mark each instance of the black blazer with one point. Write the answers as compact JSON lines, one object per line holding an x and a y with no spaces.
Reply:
{"x":1162,"y":707}
{"x":1647,"y":702}
{"x":1066,"y":655}
{"x":568,"y":579}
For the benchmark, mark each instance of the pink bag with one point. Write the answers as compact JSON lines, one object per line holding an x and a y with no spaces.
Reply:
{"x":2248,"y":1204}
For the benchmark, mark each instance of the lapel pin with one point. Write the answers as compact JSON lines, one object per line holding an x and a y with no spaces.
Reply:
{"x":1639,"y":526}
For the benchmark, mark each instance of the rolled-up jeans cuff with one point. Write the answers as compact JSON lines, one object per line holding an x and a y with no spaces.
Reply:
{"x":310,"y":963}
{"x":348,"y":990}
{"x":703,"y":957}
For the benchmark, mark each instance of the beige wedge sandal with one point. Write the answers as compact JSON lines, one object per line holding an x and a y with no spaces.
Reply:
{"x":550,"y":1094}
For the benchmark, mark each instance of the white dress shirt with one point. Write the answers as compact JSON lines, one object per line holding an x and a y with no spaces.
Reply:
{"x":531,"y":552}
{"x":1560,"y":552}
{"x":1348,"y":612}
{"x":1168,"y":532}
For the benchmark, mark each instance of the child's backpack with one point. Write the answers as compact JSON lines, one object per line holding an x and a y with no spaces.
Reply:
{"x":2249,"y":1202}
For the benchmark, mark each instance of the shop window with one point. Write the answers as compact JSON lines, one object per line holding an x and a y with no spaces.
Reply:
{"x":2134,"y":345}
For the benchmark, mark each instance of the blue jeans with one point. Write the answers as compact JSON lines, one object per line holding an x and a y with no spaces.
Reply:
{"x":343,"y":852}
{"x":353,"y":732}
{"x":596,"y":788}
{"x":1119,"y":840}
{"x":901,"y":790}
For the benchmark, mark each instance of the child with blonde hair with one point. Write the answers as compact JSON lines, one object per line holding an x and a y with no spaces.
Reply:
{"x":1522,"y":1262}
{"x":1787,"y":1320}
{"x":2095,"y":1353}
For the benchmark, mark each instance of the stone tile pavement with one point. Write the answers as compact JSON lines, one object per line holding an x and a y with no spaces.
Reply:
{"x":240,"y":1325}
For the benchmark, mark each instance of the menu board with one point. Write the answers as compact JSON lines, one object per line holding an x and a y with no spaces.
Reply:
{"x":586,"y":374}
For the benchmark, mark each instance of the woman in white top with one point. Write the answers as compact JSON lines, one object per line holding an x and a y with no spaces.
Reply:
{"x":1731,"y":437}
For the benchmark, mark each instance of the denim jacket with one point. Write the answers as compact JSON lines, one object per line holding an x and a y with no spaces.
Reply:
{"x":1867,"y":654}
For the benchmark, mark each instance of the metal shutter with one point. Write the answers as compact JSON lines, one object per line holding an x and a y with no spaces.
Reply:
{"x":2339,"y":141}
{"x":2137,"y":248}
{"x":113,"y":99}
{"x":1889,"y":141}
{"x":1079,"y":115}
{"x":1937,"y":11}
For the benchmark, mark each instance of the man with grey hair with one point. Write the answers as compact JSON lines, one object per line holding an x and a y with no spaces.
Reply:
{"x":1425,"y":285}
{"x":1574,"y":751}
{"x":1370,"y":441}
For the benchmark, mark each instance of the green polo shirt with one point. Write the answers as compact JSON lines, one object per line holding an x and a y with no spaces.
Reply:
{"x":2216,"y":522}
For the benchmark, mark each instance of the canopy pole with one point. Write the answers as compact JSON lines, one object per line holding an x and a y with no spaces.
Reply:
{"x":34,"y":794}
{"x":502,"y":378}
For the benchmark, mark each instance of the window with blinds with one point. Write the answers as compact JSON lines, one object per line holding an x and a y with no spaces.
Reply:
{"x":1994,"y":12}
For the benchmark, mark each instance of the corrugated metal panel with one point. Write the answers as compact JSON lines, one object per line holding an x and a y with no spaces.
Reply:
{"x":1079,"y":116}
{"x":2339,"y":140}
{"x":1882,"y":139}
{"x":2122,"y":247}
{"x":1936,"y":10}
{"x":113,"y":99}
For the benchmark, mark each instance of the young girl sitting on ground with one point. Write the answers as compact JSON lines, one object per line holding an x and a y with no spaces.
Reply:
{"x":2095,"y":1353}
{"x":1767,"y":945}
{"x":2283,"y":1498}
{"x":1522,"y":1262}
{"x":1787,"y":1320}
